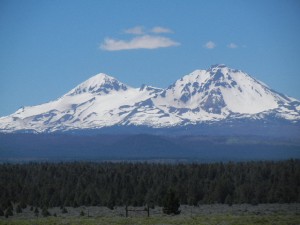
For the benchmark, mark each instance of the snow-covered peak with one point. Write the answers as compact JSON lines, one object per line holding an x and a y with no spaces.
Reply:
{"x":215,"y":94}
{"x":222,"y":68}
{"x":215,"y":72}
{"x":99,"y":84}
{"x":218,"y":66}
{"x":99,"y":78}
{"x":220,"y":90}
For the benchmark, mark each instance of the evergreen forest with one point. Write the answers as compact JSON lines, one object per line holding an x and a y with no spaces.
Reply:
{"x":117,"y":184}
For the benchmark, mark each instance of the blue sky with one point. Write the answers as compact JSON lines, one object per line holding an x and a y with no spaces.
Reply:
{"x":48,"y":47}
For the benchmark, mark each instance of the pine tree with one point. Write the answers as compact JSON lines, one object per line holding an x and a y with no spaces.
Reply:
{"x":81,"y":213}
{"x":23,"y":205}
{"x":171,"y":203}
{"x":7,"y":204}
{"x":111,"y":204}
{"x":1,"y":212}
{"x":228,"y":200}
{"x":45,"y":212}
{"x":36,"y":212}
{"x":75,"y":204}
{"x":9,"y":212}
{"x":64,"y":210}
{"x":19,"y":209}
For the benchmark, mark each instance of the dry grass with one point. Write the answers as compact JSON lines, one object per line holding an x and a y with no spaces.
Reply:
{"x":269,"y":214}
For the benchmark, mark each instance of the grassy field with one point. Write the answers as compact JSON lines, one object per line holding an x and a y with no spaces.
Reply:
{"x":215,"y":214}
{"x":162,"y":220}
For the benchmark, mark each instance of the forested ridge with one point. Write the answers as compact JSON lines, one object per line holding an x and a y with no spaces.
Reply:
{"x":110,"y":184}
{"x":65,"y":147}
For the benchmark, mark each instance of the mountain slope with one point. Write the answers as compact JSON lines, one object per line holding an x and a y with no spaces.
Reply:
{"x":90,"y":104}
{"x":217,"y":95}
{"x":220,"y":93}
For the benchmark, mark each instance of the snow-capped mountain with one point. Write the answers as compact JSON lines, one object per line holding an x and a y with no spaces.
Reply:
{"x":205,"y":96}
{"x":221,"y":93}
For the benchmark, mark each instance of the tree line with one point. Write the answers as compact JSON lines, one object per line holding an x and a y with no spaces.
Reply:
{"x":76,"y":184}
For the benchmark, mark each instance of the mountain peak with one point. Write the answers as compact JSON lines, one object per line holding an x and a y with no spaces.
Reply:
{"x":99,"y":78}
{"x":99,"y":84}
{"x":203,"y":96}
{"x":218,"y":66}
{"x":102,"y":76}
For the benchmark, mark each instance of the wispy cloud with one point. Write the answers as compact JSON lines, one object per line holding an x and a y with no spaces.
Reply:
{"x":139,"y":42}
{"x":143,"y":39}
{"x":210,"y":45}
{"x":232,"y":45}
{"x":135,"y":30}
{"x":159,"y":30}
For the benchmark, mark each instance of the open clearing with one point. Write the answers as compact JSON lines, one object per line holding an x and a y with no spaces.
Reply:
{"x":270,"y":214}
{"x":163,"y":220}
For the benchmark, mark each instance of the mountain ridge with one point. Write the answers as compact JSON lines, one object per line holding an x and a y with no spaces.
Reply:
{"x":218,"y":94}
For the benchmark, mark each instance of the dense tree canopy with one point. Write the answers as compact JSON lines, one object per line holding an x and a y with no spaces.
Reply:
{"x":46,"y":185}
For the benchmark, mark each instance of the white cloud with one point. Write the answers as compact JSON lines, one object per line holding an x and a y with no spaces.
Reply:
{"x":140,"y":42}
{"x":232,"y":45}
{"x":135,"y":30}
{"x":159,"y":30}
{"x":210,"y":45}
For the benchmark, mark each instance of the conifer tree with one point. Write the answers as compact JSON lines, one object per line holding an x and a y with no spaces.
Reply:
{"x":45,"y":212}
{"x":9,"y":212}
{"x":36,"y":212}
{"x":23,"y":205}
{"x":64,"y":210}
{"x":18,"y":209}
{"x":81,"y":213}
{"x":171,"y":203}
